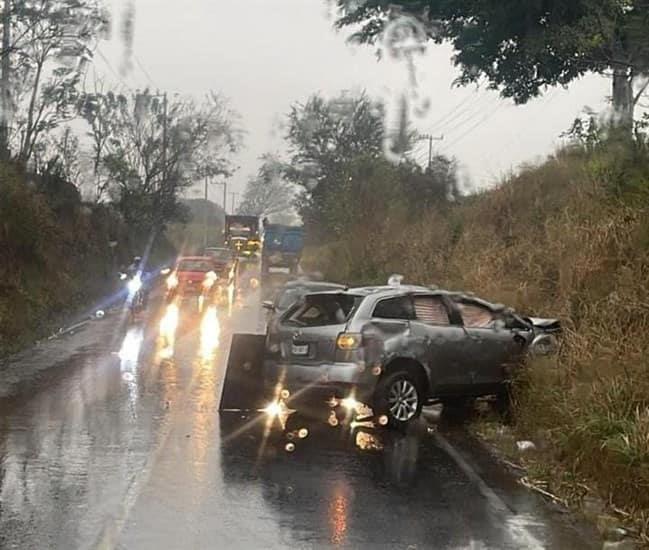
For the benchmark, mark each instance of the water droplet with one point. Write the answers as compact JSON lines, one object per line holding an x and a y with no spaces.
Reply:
{"x":302,"y":433}
{"x":290,"y":447}
{"x":376,"y":371}
{"x":285,"y":394}
{"x":333,"y":421}
{"x":128,"y":377}
{"x":383,"y":420}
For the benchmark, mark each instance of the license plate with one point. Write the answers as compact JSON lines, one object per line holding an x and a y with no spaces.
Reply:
{"x":299,"y":350}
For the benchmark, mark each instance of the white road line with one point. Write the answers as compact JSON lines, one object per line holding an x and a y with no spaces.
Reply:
{"x":516,"y":525}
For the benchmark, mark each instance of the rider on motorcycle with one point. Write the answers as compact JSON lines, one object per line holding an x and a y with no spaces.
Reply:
{"x":135,"y":273}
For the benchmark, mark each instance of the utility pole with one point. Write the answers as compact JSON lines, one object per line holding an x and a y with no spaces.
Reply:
{"x":225,"y":194}
{"x":5,"y":81}
{"x":430,"y":139}
{"x":205,"y":239}
{"x":233,"y":196}
{"x":164,"y":140}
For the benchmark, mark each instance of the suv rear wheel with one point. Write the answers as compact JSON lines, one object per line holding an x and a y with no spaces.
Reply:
{"x":399,"y":396}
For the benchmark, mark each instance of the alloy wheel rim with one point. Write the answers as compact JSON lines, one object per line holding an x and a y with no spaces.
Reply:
{"x":403,"y":400}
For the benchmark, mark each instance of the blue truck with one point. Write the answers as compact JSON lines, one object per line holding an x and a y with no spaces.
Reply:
{"x":281,"y":247}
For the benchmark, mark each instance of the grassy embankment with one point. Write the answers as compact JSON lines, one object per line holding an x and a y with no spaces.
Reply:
{"x":569,"y":238}
{"x":55,"y":255}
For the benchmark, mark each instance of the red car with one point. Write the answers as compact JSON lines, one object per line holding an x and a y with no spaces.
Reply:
{"x":193,"y":276}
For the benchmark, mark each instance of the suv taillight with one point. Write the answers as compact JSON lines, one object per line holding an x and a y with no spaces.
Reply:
{"x":347,"y":341}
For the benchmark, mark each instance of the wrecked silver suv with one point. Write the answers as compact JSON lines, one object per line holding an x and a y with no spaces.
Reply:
{"x":396,"y":348}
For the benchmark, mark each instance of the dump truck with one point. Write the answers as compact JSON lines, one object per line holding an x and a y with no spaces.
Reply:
{"x":242,"y":234}
{"x":281,"y":248}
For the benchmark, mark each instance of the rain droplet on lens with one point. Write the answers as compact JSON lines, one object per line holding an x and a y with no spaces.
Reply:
{"x":290,"y":436}
{"x":285,"y":394}
{"x":376,"y":371}
{"x":302,"y":433}
{"x":333,"y":421}
{"x":290,"y":447}
{"x":128,"y":377}
{"x":383,"y":420}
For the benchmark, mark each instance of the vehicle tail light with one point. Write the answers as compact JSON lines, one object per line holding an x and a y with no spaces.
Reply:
{"x":348,"y":341}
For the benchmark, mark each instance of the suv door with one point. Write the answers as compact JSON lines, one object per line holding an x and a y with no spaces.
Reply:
{"x":439,"y":336}
{"x":489,"y":347}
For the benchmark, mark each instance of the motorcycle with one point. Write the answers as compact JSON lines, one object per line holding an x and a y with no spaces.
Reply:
{"x":135,"y":293}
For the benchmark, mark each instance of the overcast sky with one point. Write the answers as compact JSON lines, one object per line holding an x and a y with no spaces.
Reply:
{"x":266,"y":54}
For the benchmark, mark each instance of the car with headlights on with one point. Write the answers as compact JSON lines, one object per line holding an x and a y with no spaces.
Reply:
{"x":194,"y":277}
{"x":397,"y":348}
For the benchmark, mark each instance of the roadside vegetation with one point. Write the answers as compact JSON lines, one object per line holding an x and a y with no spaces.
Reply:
{"x":91,"y":173}
{"x":570,"y":239}
{"x":55,"y":254}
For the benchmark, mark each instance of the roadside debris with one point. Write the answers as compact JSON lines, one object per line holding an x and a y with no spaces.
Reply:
{"x":525,"y":446}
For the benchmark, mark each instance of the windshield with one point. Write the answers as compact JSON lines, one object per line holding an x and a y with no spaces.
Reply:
{"x":195,"y":265}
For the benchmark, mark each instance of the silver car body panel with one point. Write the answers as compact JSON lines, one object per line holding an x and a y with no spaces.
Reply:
{"x":456,"y":360}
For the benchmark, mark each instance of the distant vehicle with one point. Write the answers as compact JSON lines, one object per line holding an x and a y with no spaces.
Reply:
{"x":282,"y":247}
{"x":222,"y":257}
{"x":287,"y":296}
{"x":397,"y":348}
{"x":242,"y":234}
{"x":193,"y":277}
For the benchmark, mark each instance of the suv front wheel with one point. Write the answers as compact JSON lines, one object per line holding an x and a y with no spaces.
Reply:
{"x":399,"y":396}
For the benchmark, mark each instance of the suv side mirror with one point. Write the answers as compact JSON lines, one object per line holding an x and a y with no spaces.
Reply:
{"x":268,"y":305}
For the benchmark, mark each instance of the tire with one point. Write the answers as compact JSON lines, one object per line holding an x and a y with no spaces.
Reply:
{"x":400,"y":396}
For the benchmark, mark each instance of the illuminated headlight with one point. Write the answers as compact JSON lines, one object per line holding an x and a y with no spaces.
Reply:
{"x":172,"y":281}
{"x":350,"y":403}
{"x":135,"y":284}
{"x":210,"y":279}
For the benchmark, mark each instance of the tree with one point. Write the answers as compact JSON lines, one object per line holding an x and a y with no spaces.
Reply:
{"x":158,"y":148}
{"x":56,"y":42}
{"x":522,"y":47}
{"x":97,"y":109}
{"x":59,"y":155}
{"x":268,"y":194}
{"x":323,"y":136}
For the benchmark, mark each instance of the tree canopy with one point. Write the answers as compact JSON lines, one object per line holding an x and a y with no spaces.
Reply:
{"x":521,"y":47}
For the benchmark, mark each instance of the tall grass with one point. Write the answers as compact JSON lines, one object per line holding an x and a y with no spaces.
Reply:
{"x":569,"y":238}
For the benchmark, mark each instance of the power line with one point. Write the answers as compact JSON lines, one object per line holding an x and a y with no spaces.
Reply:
{"x":445,"y":118}
{"x":144,"y":71}
{"x":112,"y":69}
{"x":470,"y":115}
{"x":476,"y":125}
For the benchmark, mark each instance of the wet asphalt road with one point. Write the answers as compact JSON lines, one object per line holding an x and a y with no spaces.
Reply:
{"x":108,"y":445}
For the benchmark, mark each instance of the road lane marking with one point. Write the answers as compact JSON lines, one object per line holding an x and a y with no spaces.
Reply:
{"x":516,"y":525}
